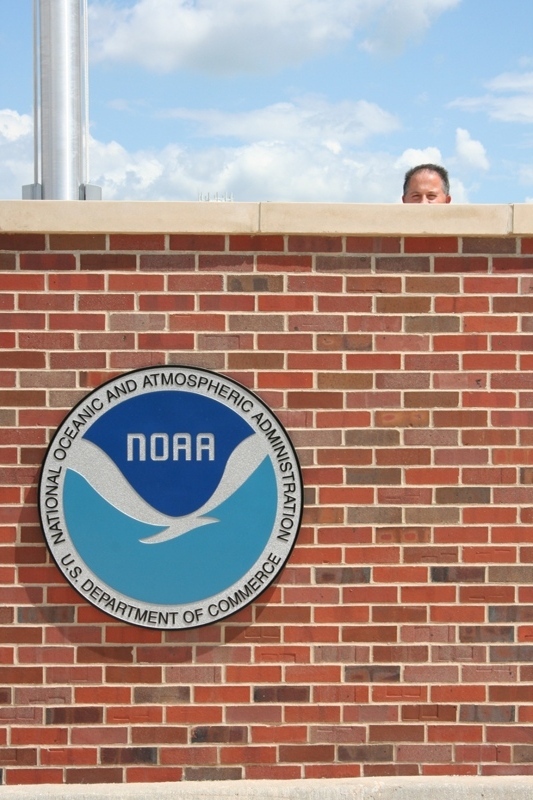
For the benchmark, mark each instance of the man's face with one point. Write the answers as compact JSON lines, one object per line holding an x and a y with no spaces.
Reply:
{"x":425,"y":187}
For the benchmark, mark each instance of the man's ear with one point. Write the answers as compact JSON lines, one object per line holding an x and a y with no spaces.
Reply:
{"x":448,"y":198}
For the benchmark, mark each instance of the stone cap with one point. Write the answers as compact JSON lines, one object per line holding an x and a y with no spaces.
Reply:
{"x":59,"y":216}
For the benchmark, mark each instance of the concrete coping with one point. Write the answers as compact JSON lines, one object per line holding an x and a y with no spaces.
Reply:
{"x":412,"y":788}
{"x":56,"y":216}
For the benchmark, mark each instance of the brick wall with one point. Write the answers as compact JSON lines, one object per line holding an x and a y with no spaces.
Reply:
{"x":398,"y":640}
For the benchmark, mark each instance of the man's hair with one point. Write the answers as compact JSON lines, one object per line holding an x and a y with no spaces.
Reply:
{"x":441,"y":172}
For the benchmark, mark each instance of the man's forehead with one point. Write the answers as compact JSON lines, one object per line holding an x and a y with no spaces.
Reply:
{"x":426,"y":174}
{"x":427,"y":180}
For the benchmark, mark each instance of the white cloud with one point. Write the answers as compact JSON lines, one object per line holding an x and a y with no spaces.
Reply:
{"x":470,"y":153}
{"x":412,"y":157}
{"x":512,"y":82}
{"x":308,"y":150}
{"x":525,"y":175}
{"x":403,"y":20}
{"x":257,"y":171}
{"x":16,"y":152}
{"x":308,"y":119}
{"x":13,"y":125}
{"x":509,"y":98}
{"x":458,"y":191}
{"x":229,"y":36}
{"x":504,"y":109}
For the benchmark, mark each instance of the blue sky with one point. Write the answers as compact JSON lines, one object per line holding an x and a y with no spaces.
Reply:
{"x":298,"y":100}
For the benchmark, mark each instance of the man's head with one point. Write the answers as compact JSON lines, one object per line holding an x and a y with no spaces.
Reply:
{"x":427,"y":183}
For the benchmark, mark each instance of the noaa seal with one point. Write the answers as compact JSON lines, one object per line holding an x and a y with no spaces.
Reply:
{"x":170,"y":497}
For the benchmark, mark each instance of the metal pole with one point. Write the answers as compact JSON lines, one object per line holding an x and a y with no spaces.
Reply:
{"x":36,"y":97}
{"x":85,"y":91}
{"x":61,"y":103}
{"x":61,"y":89}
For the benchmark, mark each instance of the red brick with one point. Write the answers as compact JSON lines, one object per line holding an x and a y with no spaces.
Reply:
{"x":432,"y":284}
{"x":512,"y":343}
{"x":23,"y":359}
{"x":430,"y":244}
{"x":321,"y":284}
{"x":459,"y":694}
{"x":134,"y":241}
{"x":370,"y":633}
{"x":152,"y":774}
{"x":188,"y":241}
{"x":136,"y":282}
{"x":77,"y":241}
{"x":462,"y":305}
{"x":396,"y":733}
{"x":108,"y":261}
{"x":271,"y":771}
{"x":460,"y":419}
{"x":63,"y":756}
{"x":455,"y":733}
{"x":256,"y":243}
{"x":22,"y":321}
{"x":323,"y":399}
{"x":480,"y":516}
{"x":284,"y":263}
{"x":492,"y":285}
{"x":342,"y":263}
{"x":402,"y":419}
{"x":77,"y":322}
{"x":491,"y":324}
{"x":451,"y":614}
{"x":22,"y":241}
{"x":224,"y":303}
{"x":168,"y":262}
{"x":492,"y":475}
{"x":372,"y":244}
{"x":429,"y":713}
{"x":512,"y":264}
{"x":512,"y":694}
{"x":382,"y":770}
{"x":309,"y":243}
{"x":347,"y":304}
{"x":402,"y":343}
{"x":460,"y":343}
{"x":414,"y":497}
{"x":45,"y":302}
{"x":434,"y":476}
{"x":489,"y":361}
{"x":402,"y":264}
{"x":428,"y":594}
{"x":306,"y":753}
{"x":489,"y":244}
{"x":7,"y":261}
{"x":223,"y":262}
{"x":67,"y":282}
{"x":461,"y":263}
{"x":156,"y":341}
{"x":19,"y":397}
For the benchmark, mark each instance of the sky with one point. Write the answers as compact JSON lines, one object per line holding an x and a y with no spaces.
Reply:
{"x":290,"y":100}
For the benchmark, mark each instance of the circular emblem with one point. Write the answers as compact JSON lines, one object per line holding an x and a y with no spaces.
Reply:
{"x":170,"y":497}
